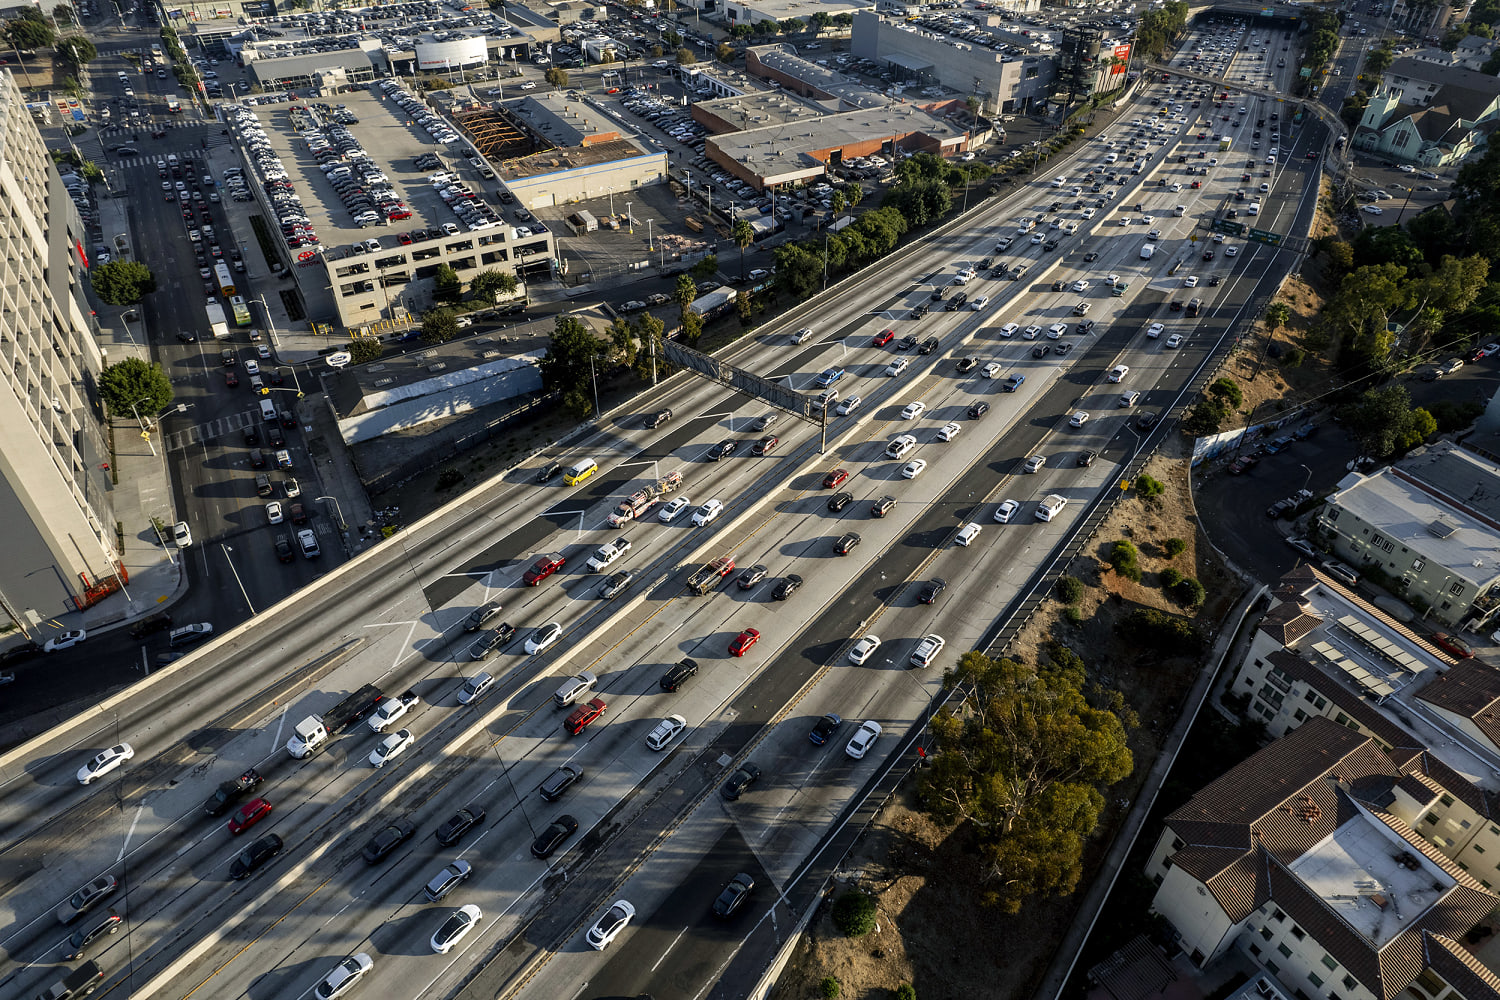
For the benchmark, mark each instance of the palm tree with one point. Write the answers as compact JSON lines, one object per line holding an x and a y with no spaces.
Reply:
{"x":743,"y":234}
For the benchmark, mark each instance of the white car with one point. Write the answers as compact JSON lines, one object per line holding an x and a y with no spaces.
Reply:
{"x":913,"y":410}
{"x":927,"y":650}
{"x":455,"y":928}
{"x":273,"y":512}
{"x":1006,"y":511}
{"x":1118,"y":372}
{"x":1155,"y":330}
{"x":543,"y":637}
{"x":1218,"y":237}
{"x":1081,"y":285}
{"x":343,"y":977}
{"x":1174,"y":341}
{"x":182,"y":534}
{"x":897,"y":366}
{"x":803,"y":335}
{"x":949,"y":432}
{"x":1374,"y":210}
{"x":992,"y":370}
{"x":65,"y":641}
{"x":609,"y":926}
{"x":1231,"y":251}
{"x":1009,"y":330}
{"x":105,"y":762}
{"x":848,"y":406}
{"x":1148,"y":219}
{"x":913,"y":469}
{"x":389,"y":711}
{"x":864,"y":649}
{"x":391,"y":747}
{"x":672,"y":509}
{"x":1191,"y":281}
{"x":708,"y":513}
{"x":665,"y":732}
{"x":864,"y":738}
{"x":529,"y":85}
{"x":1079,"y":419}
{"x":1031,"y":332}
{"x":474,"y":687}
{"x":252,"y":367}
{"x":1036,"y":463}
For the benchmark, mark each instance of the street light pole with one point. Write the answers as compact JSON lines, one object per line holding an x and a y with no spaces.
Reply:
{"x":145,"y":430}
{"x":343,"y":526}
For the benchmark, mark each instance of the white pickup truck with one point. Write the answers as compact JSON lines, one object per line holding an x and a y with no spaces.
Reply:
{"x":607,"y":553}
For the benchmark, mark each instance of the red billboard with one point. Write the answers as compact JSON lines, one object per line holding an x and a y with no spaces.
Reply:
{"x":1122,"y":57}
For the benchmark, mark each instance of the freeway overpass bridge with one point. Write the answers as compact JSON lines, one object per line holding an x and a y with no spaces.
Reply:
{"x":1313,"y":107}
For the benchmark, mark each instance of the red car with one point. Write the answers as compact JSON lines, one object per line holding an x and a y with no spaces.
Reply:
{"x":1243,"y":464}
{"x":581,"y":717}
{"x":1453,"y":645}
{"x":404,"y":239}
{"x":231,"y":379}
{"x":742,"y":642}
{"x":543,"y":568}
{"x":766,"y":445}
{"x":834,"y":478}
{"x":884,"y":337}
{"x":248,"y":815}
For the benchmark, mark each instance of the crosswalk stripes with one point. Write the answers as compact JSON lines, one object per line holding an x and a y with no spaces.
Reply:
{"x":152,"y":160}
{"x":210,"y":432}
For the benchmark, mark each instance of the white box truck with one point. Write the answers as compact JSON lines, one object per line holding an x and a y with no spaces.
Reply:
{"x":1148,"y":251}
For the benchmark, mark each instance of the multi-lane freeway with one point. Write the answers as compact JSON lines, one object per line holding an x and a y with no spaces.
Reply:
{"x":653,"y":826}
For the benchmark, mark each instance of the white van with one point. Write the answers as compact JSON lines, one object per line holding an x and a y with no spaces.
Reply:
{"x":1051,"y":506}
{"x":967,"y":535}
{"x":579,"y":471}
{"x":268,"y":411}
{"x":1180,"y":211}
{"x":1254,"y":208}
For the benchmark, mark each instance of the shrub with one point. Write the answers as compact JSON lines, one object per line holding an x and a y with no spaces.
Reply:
{"x":1190,"y":592}
{"x":1148,"y":488}
{"x":1170,"y":577}
{"x":1069,"y":589}
{"x":854,"y":913}
{"x":1074,"y":614}
{"x":828,"y":989}
{"x":1156,"y":630}
{"x":1126,"y":560}
{"x":449,"y":478}
{"x":906,"y":991}
{"x":1293,"y":358}
{"x":1174,"y":547}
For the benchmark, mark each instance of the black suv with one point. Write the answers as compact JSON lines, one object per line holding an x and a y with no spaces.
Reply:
{"x":679,"y":675}
{"x":254,"y":856}
{"x":387,"y":839}
{"x":559,"y":781}
{"x":152,"y":623}
{"x":459,"y":824}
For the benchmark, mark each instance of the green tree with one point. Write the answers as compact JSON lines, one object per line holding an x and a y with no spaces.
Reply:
{"x":741,"y":30}
{"x":446,"y":286}
{"x":672,"y":38}
{"x":692,"y":327}
{"x":1206,"y":417}
{"x":365,"y":349}
{"x":829,"y":988}
{"x":28,"y":32}
{"x":1228,"y":391}
{"x":685,"y":291}
{"x":122,"y":282}
{"x":1069,"y":589}
{"x":622,"y":340}
{"x":1148,"y":488}
{"x":1023,"y":756}
{"x":820,"y":21}
{"x":1376,"y":420}
{"x":705,"y":269}
{"x":685,"y":56}
{"x":77,"y":50}
{"x":135,"y":386}
{"x":1189,"y":592}
{"x":799,"y":270}
{"x":568,"y":366}
{"x":844,"y":20}
{"x":854,"y":913}
{"x":1418,"y":427}
{"x":439,"y":326}
{"x":793,"y":26}
{"x":837,"y":201}
{"x":1277,"y":313}
{"x":1126,"y":559}
{"x":1359,"y":315}
{"x":649,"y":332}
{"x":743,"y":235}
{"x":555,"y":77}
{"x":726,"y":53}
{"x":1174,"y":547}
{"x":491,"y":285}
{"x":1378,"y":60}
{"x":853,"y":194}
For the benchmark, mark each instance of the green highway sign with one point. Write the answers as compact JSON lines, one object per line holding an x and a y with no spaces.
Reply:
{"x":1261,"y":236}
{"x":1228,"y":227}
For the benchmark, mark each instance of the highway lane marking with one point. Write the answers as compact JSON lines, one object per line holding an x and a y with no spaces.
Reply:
{"x":670,"y":947}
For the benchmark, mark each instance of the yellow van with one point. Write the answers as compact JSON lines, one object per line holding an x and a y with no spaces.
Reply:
{"x":579,"y":471}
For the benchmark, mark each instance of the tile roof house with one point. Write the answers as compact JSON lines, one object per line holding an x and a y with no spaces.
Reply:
{"x":1429,"y":114}
{"x":1304,"y":858}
